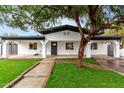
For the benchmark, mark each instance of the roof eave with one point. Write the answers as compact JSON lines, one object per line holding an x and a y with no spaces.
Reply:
{"x":23,"y":38}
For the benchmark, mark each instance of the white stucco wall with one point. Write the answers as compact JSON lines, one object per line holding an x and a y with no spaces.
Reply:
{"x":101,"y":49}
{"x":122,"y":52}
{"x":0,"y":49}
{"x":59,"y":36}
{"x":23,"y":47}
{"x":61,"y":48}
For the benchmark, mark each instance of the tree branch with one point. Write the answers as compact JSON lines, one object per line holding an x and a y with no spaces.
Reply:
{"x":79,"y":25}
{"x":92,"y":17}
{"x":109,"y":24}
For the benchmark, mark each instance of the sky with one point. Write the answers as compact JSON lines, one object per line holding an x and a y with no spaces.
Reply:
{"x":30,"y":33}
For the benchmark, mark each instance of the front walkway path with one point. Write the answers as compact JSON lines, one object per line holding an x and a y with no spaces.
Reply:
{"x":37,"y":77}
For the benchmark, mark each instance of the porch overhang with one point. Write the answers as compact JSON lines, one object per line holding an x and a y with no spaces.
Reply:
{"x":106,"y":38}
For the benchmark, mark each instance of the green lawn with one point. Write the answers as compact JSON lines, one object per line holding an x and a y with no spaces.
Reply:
{"x":73,"y":60}
{"x":68,"y":76}
{"x":10,"y":69}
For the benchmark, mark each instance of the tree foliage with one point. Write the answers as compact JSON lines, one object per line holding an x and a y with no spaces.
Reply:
{"x":27,"y":17}
{"x":38,"y":17}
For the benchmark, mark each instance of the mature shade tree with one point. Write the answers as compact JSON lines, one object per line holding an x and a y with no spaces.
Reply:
{"x":96,"y":18}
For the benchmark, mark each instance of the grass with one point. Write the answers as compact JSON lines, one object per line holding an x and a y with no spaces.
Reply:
{"x":73,"y":60}
{"x":10,"y":69}
{"x":68,"y":76}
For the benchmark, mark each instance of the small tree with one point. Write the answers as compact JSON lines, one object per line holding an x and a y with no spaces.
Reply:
{"x":96,"y":18}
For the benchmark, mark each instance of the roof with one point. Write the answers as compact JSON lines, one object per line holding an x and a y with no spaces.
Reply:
{"x":106,"y":38}
{"x":23,"y":37}
{"x":62,"y":28}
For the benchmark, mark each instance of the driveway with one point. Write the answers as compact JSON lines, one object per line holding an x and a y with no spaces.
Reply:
{"x":111,"y":62}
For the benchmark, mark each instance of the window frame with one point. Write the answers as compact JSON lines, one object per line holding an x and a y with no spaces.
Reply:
{"x":33,"y":46}
{"x":66,"y":33}
{"x":69,"y":48}
{"x":94,"y":46}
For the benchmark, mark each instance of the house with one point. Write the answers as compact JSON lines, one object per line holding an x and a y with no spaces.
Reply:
{"x":61,"y":40}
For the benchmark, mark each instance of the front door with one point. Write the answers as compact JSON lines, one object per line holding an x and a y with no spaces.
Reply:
{"x":53,"y":48}
{"x":110,"y":50}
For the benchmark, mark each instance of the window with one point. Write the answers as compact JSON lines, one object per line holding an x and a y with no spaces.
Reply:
{"x":66,"y":33}
{"x":94,"y":46}
{"x":33,"y":46}
{"x":69,"y":46}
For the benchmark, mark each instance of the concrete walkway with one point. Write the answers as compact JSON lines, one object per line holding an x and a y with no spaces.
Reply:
{"x":37,"y":77}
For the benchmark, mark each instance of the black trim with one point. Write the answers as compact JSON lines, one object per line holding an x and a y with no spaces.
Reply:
{"x":23,"y":37}
{"x":62,"y":28}
{"x":107,"y":38}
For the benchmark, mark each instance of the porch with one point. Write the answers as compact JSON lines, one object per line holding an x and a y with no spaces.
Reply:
{"x":38,"y":48}
{"x":94,"y":47}
{"x":23,"y":47}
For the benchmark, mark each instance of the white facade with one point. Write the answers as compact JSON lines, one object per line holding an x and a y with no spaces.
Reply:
{"x":101,"y":49}
{"x":23,"y":48}
{"x":61,"y":38}
{"x":61,"y":48}
{"x":121,"y":52}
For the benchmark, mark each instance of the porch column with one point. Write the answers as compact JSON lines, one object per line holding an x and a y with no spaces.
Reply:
{"x":43,"y":49}
{"x":88,"y":50}
{"x":0,"y":49}
{"x":116,"y":49}
{"x":4,"y":49}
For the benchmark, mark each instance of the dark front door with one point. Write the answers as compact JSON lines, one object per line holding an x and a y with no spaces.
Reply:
{"x":110,"y":50}
{"x":53,"y":48}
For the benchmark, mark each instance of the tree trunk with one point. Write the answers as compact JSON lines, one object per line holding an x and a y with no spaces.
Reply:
{"x":85,"y":40}
{"x":80,"y":61}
